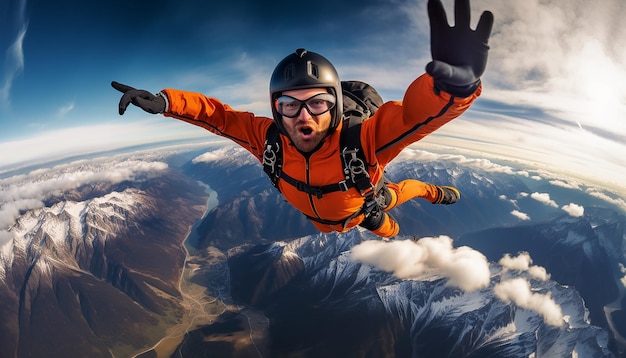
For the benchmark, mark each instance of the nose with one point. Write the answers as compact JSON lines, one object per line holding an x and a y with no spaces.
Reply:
{"x":304,"y":113}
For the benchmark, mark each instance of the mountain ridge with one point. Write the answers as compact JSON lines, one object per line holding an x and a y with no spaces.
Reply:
{"x":98,"y":268}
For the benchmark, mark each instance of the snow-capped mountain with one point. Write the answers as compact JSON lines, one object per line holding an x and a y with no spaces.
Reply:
{"x":322,"y":303}
{"x":585,"y":252}
{"x":329,"y":305}
{"x":102,"y":263}
{"x":102,"y":269}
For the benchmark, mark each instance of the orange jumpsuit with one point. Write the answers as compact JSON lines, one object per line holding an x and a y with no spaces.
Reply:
{"x":392,"y":128}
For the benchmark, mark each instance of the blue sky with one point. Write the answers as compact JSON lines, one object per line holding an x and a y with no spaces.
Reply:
{"x":554,"y":90}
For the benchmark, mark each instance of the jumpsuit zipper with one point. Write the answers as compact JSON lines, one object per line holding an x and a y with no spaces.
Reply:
{"x":307,"y":172}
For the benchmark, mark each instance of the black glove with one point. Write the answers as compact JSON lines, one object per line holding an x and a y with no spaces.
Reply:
{"x":140,"y":98}
{"x":459,"y":53}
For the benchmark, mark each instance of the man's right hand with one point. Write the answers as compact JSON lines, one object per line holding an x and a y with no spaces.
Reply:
{"x":140,"y":98}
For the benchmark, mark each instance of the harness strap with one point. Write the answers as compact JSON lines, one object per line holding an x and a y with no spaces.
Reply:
{"x":272,"y":155}
{"x":318,"y":191}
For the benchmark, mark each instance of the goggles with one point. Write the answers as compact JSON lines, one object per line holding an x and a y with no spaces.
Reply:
{"x":316,"y":105}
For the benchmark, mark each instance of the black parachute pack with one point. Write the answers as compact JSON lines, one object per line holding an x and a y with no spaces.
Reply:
{"x":360,"y":102}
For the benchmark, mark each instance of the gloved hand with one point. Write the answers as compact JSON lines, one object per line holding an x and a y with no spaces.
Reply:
{"x":140,"y":98}
{"x":459,"y":53}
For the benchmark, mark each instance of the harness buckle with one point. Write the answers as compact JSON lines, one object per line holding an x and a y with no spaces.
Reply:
{"x":354,"y":164}
{"x":270,"y":156}
{"x":311,"y":190}
{"x":370,"y":205}
{"x":343,"y":186}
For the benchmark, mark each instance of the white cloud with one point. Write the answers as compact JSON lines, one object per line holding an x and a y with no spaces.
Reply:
{"x":538,"y":272}
{"x":11,"y":209}
{"x":518,"y":291}
{"x":218,"y":154}
{"x":574,"y":210}
{"x":520,"y":215}
{"x":522,"y":262}
{"x":464,"y":267}
{"x":208,"y":157}
{"x":544,"y":198}
{"x":225,"y":152}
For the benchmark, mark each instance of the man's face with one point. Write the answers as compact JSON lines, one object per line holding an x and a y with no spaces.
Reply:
{"x":305,"y":130}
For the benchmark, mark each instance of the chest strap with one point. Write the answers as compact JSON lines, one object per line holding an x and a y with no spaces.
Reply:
{"x":318,"y":191}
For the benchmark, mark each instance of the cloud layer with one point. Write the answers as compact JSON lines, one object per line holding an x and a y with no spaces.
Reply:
{"x":29,"y":191}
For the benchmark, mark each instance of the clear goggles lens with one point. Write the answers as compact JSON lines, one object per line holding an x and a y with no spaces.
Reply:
{"x":316,"y":105}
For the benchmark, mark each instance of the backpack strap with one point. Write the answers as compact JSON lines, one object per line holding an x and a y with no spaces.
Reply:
{"x":355,"y":168}
{"x":273,"y":155}
{"x":354,"y":161}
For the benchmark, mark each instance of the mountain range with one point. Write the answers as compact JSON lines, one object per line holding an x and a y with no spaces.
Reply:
{"x":99,"y":270}
{"x":97,"y":275}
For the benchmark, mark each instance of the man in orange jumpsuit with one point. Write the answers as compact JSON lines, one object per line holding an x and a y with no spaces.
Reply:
{"x":306,"y":100}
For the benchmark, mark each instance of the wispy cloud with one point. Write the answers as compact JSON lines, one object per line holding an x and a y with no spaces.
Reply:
{"x":14,"y":58}
{"x":64,"y":110}
{"x":14,"y":65}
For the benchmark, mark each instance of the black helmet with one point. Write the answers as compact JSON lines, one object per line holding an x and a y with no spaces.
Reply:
{"x":303,"y":69}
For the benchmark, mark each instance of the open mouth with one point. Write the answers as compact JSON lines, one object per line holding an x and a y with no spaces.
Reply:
{"x":306,"y":130}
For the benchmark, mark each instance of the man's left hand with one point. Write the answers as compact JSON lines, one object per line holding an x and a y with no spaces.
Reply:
{"x":459,"y":53}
